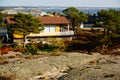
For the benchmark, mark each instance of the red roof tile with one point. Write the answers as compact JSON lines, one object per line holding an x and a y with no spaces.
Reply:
{"x":9,"y":21}
{"x":45,"y":20}
{"x":53,"y":20}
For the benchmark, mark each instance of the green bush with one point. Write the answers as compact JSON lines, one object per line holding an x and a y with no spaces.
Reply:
{"x":40,"y":45}
{"x":94,"y":41}
{"x":30,"y":48}
{"x":86,"y":41}
{"x":58,"y":44}
{"x":115,"y":39}
{"x":80,"y":46}
{"x":47,"y":48}
{"x":55,"y":45}
{"x":17,"y":47}
{"x":1,"y":44}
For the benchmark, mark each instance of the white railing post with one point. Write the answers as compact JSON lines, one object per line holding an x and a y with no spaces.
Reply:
{"x":68,"y":28}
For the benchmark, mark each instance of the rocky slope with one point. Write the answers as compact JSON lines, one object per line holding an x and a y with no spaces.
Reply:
{"x":104,"y":68}
{"x":68,"y":66}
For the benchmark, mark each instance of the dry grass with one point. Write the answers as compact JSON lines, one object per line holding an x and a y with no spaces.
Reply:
{"x":8,"y":77}
{"x":4,"y":61}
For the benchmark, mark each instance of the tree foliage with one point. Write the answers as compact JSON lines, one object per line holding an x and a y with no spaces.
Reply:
{"x":2,"y":20}
{"x":111,"y":19}
{"x":26,"y":24}
{"x":75,"y":16}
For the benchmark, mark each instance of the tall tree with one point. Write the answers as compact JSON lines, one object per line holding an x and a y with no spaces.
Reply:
{"x":2,"y":20}
{"x":75,"y":16}
{"x":111,"y":19}
{"x":26,"y":24}
{"x":3,"y":25}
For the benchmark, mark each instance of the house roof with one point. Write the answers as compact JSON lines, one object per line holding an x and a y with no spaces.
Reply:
{"x":93,"y":18}
{"x":9,"y":20}
{"x":53,"y":20}
{"x":45,"y":20}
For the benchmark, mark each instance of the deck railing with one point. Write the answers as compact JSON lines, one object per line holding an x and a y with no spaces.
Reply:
{"x":66,"y":33}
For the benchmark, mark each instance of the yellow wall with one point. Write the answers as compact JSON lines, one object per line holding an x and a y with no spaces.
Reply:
{"x":57,"y":29}
{"x":16,"y":35}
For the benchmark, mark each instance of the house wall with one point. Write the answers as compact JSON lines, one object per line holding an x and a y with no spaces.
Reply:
{"x":43,"y":39}
{"x":51,"y":28}
{"x":3,"y":34}
{"x":86,"y":25}
{"x":3,"y":31}
{"x":57,"y":29}
{"x":17,"y":35}
{"x":48,"y":30}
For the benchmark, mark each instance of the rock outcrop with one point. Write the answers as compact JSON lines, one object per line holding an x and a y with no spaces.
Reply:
{"x":70,"y":66}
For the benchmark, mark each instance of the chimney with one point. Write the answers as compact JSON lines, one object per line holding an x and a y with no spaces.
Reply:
{"x":55,"y":14}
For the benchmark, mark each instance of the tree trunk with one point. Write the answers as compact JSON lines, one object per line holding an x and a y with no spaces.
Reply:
{"x":24,"y":43}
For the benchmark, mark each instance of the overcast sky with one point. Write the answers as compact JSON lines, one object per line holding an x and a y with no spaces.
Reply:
{"x":74,"y":3}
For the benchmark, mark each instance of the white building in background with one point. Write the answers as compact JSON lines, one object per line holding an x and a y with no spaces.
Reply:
{"x":86,"y":25}
{"x":10,"y":12}
{"x":35,"y":12}
{"x":40,"y":13}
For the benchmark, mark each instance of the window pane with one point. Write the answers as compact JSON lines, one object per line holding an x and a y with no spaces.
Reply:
{"x":46,"y":29}
{"x":52,"y":28}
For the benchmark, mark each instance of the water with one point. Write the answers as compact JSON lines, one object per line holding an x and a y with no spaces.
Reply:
{"x":91,"y":10}
{"x":60,"y":10}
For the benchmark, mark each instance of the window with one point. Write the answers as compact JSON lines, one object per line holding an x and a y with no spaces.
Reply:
{"x":49,"y":28}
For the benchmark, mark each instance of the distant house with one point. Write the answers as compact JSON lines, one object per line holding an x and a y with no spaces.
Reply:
{"x":91,"y":23}
{"x":53,"y":27}
{"x":93,"y":18}
{"x":9,"y":12}
{"x":3,"y":34}
{"x":86,"y":25}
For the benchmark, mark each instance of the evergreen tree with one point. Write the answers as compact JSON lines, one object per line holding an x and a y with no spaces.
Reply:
{"x":75,"y":16}
{"x":111,"y":19}
{"x":26,"y":24}
{"x":2,"y":20}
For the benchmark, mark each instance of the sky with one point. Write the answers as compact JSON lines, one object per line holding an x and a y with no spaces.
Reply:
{"x":73,"y":3}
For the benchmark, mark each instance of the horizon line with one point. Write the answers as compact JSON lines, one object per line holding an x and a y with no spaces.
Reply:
{"x":67,"y":6}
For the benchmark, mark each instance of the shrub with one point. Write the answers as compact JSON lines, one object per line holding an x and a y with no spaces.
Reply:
{"x":20,"y":49}
{"x":17,"y":47}
{"x":0,"y":47}
{"x":4,"y":50}
{"x":40,"y":45}
{"x":45,"y":47}
{"x":30,"y":48}
{"x":58,"y":44}
{"x":84,"y":43}
{"x":8,"y":77}
{"x":78,"y":45}
{"x":115,"y":39}
{"x":1,"y":44}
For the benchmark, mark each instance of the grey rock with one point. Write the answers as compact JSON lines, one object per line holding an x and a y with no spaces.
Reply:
{"x":71,"y":66}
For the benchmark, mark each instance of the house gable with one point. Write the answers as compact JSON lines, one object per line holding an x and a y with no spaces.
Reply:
{"x":52,"y":24}
{"x":53,"y":20}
